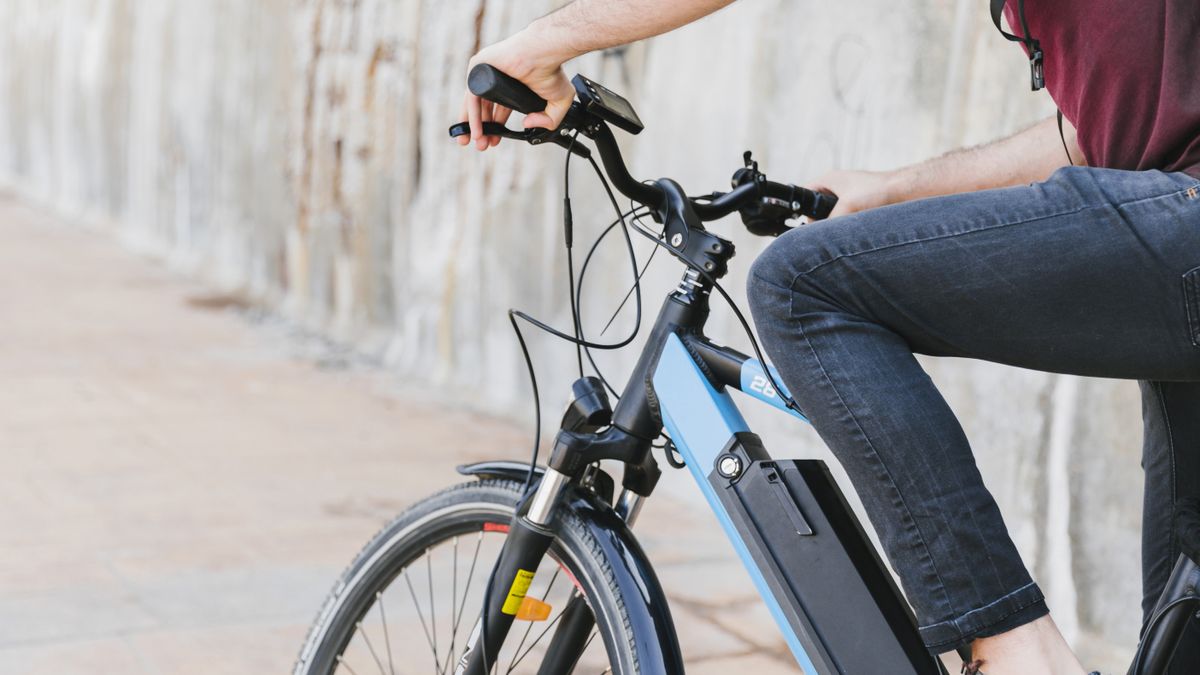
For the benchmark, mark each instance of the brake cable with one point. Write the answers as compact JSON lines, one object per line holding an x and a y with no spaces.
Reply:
{"x":636,"y":217}
{"x":568,"y":241}
{"x":579,"y":291}
{"x":577,"y":340}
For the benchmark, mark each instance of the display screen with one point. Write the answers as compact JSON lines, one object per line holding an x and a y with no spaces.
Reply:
{"x":608,"y":104}
{"x":616,"y":103}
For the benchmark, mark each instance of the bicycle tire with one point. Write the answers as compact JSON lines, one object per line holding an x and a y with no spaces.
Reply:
{"x":464,"y":508}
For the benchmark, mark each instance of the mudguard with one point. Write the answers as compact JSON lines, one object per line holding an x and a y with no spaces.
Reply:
{"x":645,"y":603}
{"x":501,"y":468}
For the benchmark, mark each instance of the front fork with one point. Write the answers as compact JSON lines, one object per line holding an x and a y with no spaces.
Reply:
{"x":529,"y":537}
{"x":577,"y":447}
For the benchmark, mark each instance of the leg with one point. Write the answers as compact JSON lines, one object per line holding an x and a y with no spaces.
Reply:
{"x":1080,"y":274}
{"x":1171,"y":460}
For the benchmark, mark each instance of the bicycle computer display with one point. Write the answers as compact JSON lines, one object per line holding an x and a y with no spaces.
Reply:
{"x":606,"y":104}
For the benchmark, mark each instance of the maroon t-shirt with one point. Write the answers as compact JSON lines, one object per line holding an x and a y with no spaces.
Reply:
{"x":1126,"y":73}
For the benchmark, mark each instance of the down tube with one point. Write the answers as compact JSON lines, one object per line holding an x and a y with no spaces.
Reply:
{"x":701,"y":420}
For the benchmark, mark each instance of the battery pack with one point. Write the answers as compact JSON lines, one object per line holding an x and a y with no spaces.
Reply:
{"x":831,"y":585}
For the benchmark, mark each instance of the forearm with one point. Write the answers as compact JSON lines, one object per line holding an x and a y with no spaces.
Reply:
{"x":535,"y":55}
{"x":589,"y":25}
{"x":1025,"y":157}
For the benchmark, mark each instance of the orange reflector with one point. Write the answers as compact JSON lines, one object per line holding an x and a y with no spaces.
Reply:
{"x":533,"y":609}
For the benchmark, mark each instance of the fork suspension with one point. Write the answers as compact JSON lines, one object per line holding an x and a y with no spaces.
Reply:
{"x":523,"y":551}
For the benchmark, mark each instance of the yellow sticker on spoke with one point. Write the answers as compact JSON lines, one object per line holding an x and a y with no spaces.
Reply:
{"x":520,"y":586}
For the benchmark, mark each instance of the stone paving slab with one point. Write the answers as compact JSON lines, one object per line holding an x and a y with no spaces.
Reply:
{"x":182,"y":485}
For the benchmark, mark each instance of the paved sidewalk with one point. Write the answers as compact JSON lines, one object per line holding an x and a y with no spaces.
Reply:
{"x":181,"y":485}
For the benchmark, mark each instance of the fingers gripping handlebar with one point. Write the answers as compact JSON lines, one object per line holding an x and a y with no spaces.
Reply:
{"x":488,"y":83}
{"x":764,"y":206}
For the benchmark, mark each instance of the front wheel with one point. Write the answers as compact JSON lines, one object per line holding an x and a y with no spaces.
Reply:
{"x":410,"y":599}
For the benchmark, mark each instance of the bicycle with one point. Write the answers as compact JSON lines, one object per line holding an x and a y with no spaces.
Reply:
{"x":835,"y":603}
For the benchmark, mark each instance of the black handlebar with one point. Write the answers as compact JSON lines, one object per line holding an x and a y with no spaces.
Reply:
{"x":610,"y":154}
{"x":486,"y":82}
{"x":759,"y":199}
{"x":815,"y":205}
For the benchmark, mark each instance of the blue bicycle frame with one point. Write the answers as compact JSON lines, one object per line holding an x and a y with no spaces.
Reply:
{"x":701,"y":422}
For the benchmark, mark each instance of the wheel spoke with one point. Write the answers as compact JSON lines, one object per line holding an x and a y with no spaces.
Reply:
{"x":587,"y":644}
{"x":342,"y":662}
{"x":462,"y":605}
{"x":453,"y":605}
{"x":513,"y":663}
{"x":539,"y":637}
{"x":432,"y":606}
{"x":421,"y":616}
{"x":370,"y":647}
{"x":387,"y":640}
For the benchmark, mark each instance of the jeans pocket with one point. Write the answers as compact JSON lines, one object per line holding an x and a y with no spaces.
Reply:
{"x":1191,"y":299}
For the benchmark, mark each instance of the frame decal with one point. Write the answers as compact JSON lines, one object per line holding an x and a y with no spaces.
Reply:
{"x":756,"y":383}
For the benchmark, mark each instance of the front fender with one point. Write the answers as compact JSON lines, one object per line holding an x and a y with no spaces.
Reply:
{"x":645,"y":603}
{"x":501,"y":468}
{"x":649,"y":616}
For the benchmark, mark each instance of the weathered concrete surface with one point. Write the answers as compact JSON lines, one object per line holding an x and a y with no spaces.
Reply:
{"x":294,"y":153}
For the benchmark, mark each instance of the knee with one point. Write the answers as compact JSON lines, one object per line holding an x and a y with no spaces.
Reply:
{"x":767,"y":286}
{"x":778,"y":281}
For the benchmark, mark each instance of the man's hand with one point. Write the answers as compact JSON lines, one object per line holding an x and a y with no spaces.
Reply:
{"x":535,"y":55}
{"x":522,"y":58}
{"x":856,"y":190}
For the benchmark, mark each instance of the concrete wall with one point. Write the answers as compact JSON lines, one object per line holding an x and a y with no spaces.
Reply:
{"x":295,"y":153}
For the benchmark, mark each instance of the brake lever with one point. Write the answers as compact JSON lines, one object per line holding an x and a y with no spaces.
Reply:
{"x":489,"y":129}
{"x":534,"y":136}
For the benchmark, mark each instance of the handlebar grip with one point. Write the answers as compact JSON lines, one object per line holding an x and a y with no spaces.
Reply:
{"x":812,"y":203}
{"x":823,"y":203}
{"x":486,"y":82}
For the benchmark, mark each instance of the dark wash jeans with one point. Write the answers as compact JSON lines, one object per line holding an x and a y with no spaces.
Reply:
{"x":1093,"y":272}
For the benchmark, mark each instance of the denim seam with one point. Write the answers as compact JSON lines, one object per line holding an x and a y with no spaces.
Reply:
{"x":1190,"y":298}
{"x":1186,"y":192}
{"x":960,"y":617}
{"x":1187,"y":308}
{"x":1162,"y":403}
{"x":936,"y":238}
{"x":912,"y":523}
